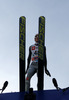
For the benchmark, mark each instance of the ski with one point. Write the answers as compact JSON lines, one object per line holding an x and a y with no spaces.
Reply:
{"x":22,"y":34}
{"x":41,"y":52}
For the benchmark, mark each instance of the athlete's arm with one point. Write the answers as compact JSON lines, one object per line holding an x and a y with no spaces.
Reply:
{"x":45,"y":61}
{"x":29,"y":58}
{"x":45,"y":58}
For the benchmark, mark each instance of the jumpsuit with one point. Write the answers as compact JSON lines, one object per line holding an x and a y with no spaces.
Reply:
{"x":33,"y":67}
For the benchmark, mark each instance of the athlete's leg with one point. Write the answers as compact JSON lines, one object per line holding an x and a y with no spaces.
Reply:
{"x":31,"y":71}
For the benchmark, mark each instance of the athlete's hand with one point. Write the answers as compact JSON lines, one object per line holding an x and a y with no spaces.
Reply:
{"x":47,"y":72}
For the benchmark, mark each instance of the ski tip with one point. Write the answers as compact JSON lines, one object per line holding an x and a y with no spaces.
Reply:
{"x":42,"y":17}
{"x":22,"y":17}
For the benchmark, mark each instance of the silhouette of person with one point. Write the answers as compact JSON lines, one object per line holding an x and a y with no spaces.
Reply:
{"x":33,"y":58}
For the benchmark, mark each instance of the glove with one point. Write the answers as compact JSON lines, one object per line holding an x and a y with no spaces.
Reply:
{"x":47,"y":72}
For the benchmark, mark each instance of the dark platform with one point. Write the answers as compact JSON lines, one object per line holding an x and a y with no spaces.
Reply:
{"x":40,"y":95}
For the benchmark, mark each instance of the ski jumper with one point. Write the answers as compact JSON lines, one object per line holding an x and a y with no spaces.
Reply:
{"x":33,"y":67}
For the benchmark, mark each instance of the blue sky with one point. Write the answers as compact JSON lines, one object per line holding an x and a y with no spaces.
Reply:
{"x":56,"y":13}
